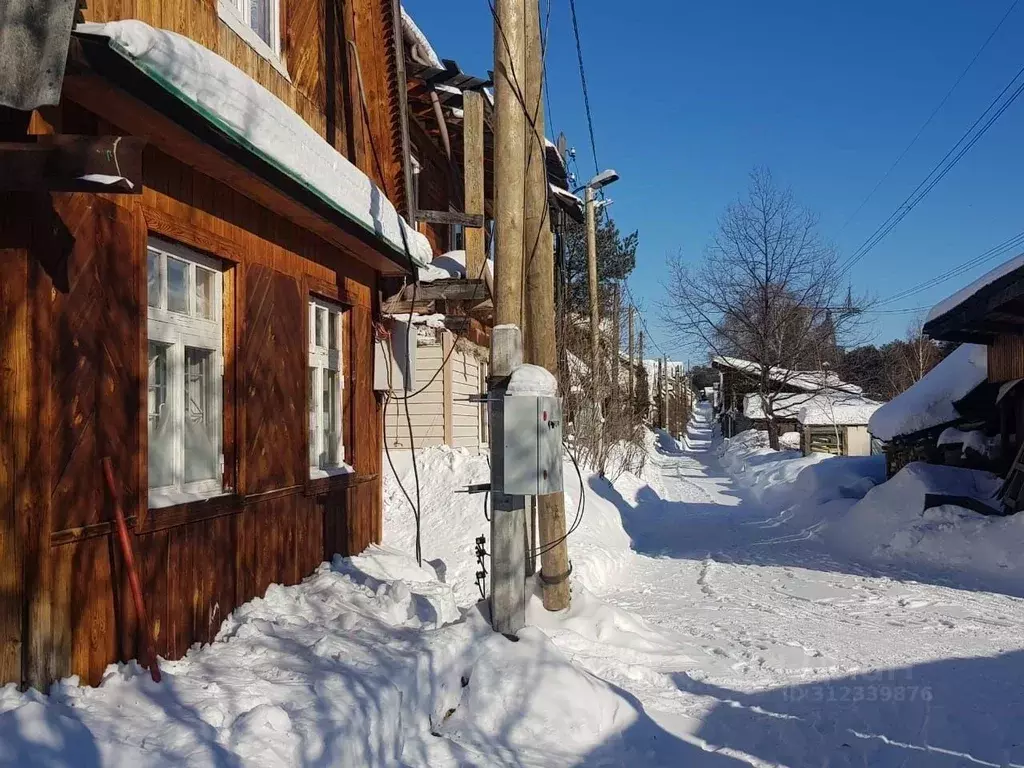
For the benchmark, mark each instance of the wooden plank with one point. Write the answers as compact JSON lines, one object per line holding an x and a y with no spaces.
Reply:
{"x":472,"y":220}
{"x":14,"y":381}
{"x":56,"y":163}
{"x":449,"y":290}
{"x":473,"y":173}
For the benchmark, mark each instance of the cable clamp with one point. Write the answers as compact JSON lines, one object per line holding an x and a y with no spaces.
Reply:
{"x":553,"y":580}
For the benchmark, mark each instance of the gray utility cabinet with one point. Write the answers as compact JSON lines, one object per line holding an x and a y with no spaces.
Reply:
{"x":527,"y":435}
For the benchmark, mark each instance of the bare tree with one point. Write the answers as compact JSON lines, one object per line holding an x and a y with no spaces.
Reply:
{"x":769,"y":290}
{"x":907,"y":361}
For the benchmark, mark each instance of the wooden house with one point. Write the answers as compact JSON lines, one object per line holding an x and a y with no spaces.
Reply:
{"x":193,"y":241}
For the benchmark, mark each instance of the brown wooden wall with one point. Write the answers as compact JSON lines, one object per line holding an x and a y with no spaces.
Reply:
{"x":72,"y":385}
{"x":1006,"y":359}
{"x":324,"y":88}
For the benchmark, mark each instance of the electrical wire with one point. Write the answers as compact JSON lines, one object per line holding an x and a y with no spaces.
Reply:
{"x":581,"y":507}
{"x":1009,"y":244}
{"x":583,"y":81}
{"x":944,"y":166}
{"x":931,"y":117}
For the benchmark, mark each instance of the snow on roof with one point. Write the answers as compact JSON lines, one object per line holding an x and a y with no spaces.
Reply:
{"x":419,"y":40}
{"x":952,"y":302}
{"x":929,"y":403}
{"x":246,"y":110}
{"x":565,"y":194}
{"x":783,"y":407}
{"x":845,"y":410}
{"x":809,"y":381}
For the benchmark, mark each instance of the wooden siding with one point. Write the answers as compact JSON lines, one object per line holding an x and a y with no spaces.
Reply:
{"x":1006,"y":359}
{"x":322,"y":86}
{"x":72,"y":326}
{"x":465,"y":415}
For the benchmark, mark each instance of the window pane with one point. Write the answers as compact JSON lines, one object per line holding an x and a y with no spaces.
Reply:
{"x":259,"y":19}
{"x":161,"y":439}
{"x":153,"y":277}
{"x":202,"y":457}
{"x":329,"y":456}
{"x":313,"y":432}
{"x":205,"y":282}
{"x":332,"y":331}
{"x":177,"y":285}
{"x":320,"y":331}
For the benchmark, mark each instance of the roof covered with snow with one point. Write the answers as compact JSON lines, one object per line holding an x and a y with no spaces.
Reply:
{"x":251,"y":115}
{"x":950,"y":303}
{"x":929,"y":403}
{"x":419,"y":42}
{"x":808,"y":381}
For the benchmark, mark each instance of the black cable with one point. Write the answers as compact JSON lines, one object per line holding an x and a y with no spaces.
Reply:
{"x":580,"y":511}
{"x":931,"y":116}
{"x":938,"y":172}
{"x":583,"y":81}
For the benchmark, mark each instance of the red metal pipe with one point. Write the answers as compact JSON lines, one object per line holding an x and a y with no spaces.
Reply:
{"x":129,"y":564}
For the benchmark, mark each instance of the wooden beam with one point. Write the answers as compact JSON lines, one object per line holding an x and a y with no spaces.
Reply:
{"x":449,"y":290}
{"x":473,"y":174}
{"x":451,"y":217}
{"x":64,"y":163}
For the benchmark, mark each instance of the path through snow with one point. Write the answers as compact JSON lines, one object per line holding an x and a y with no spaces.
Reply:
{"x":776,"y":652}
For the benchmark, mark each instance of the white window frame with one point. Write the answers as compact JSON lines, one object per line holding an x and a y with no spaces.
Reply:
{"x":322,"y":358}
{"x":237,"y":15}
{"x":180,"y":331}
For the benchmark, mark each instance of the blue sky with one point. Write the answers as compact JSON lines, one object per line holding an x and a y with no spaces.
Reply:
{"x":688,"y":97}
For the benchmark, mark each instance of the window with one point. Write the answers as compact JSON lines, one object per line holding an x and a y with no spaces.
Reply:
{"x":185,"y":336}
{"x":326,"y":443}
{"x":258,"y":22}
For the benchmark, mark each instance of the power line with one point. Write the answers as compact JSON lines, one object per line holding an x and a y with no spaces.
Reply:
{"x":643,"y":322}
{"x":931,"y":117}
{"x":938,"y":172}
{"x":997,"y":250}
{"x":583,"y":80}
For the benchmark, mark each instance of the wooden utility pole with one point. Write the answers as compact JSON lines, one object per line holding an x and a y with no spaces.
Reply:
{"x":595,"y":369}
{"x":473,"y":178}
{"x":616,"y":344}
{"x":508,"y":532}
{"x":680,"y":405}
{"x":640,"y":354}
{"x":664,"y":392}
{"x":540,"y":305}
{"x":630,"y":397}
{"x":660,"y":419}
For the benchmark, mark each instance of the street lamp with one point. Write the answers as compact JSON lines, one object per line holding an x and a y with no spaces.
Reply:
{"x":602,"y":179}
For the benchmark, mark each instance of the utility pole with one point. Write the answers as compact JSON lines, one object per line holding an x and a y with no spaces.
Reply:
{"x":681,"y":404}
{"x":664,"y":392}
{"x":508,"y":534}
{"x":540,"y":309}
{"x":661,"y":385}
{"x":473,"y":179}
{"x":640,"y":354}
{"x":595,"y":370}
{"x":616,"y":344}
{"x":630,"y":398}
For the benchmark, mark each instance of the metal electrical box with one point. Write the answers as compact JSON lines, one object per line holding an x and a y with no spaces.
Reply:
{"x":530,"y":460}
{"x":394,"y":361}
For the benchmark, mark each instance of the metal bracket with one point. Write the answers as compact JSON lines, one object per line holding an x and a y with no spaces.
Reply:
{"x":477,"y":488}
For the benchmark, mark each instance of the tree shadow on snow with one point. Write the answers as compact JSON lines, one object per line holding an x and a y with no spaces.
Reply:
{"x":953,"y":712}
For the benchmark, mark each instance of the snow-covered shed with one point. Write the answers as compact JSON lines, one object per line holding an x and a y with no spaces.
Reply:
{"x":836,"y":423}
{"x":955,"y":393}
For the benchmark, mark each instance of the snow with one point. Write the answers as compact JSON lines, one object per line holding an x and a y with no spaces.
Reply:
{"x":418,"y":39}
{"x":732,"y":605}
{"x":447,"y":266}
{"x":235,"y":102}
{"x":527,"y":379}
{"x":929,"y":402}
{"x":952,"y":302}
{"x":974,"y":439}
{"x":808,"y":381}
{"x":847,"y":410}
{"x":790,"y":441}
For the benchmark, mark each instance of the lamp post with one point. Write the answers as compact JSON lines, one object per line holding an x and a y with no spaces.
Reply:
{"x":602,"y":179}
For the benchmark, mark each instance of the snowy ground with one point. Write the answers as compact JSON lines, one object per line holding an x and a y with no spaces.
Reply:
{"x":730,"y":607}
